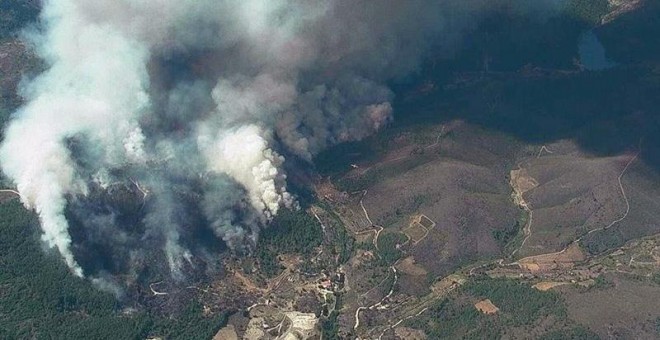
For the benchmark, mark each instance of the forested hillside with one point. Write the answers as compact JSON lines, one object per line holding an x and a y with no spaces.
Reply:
{"x":40,"y":299}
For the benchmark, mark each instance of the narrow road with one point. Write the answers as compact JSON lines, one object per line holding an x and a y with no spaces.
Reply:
{"x":625,"y":214}
{"x":365,"y":209}
{"x":437,"y":141}
{"x":151,"y":286}
{"x":443,"y":287}
{"x":379,"y":303}
{"x":625,"y":198}
{"x":357,"y":317}
{"x":318,"y":219}
{"x":378,"y":228}
{"x":527,"y":229}
{"x":543,"y":148}
{"x":402,"y":320}
{"x":11,"y":191}
{"x":396,"y":277}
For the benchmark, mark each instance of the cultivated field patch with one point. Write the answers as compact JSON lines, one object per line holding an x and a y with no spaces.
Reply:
{"x":419,"y":228}
{"x":559,"y":260}
{"x":409,"y":266}
{"x":547,"y":285}
{"x":486,"y":307}
{"x":409,"y":333}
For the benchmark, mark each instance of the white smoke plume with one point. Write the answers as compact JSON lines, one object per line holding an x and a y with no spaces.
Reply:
{"x":205,"y":96}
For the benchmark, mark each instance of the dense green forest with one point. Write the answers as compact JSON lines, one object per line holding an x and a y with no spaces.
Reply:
{"x":520,"y":303}
{"x":291,"y":231}
{"x":14,"y":14}
{"x":387,"y":247}
{"x":338,"y":239}
{"x":40,"y":299}
{"x":520,"y":306}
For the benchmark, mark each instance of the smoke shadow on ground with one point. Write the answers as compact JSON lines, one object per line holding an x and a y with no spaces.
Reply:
{"x":111,"y":234}
{"x":607,"y":111}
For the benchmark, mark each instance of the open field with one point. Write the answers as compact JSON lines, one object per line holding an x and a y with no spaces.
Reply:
{"x":455,"y":198}
{"x":642,"y":188}
{"x":568,"y":193}
{"x":477,"y":195}
{"x":486,"y":307}
{"x":547,"y":285}
{"x":409,"y":266}
{"x":419,"y":228}
{"x":553,"y":261}
{"x":626,"y":310}
{"x":571,"y":196}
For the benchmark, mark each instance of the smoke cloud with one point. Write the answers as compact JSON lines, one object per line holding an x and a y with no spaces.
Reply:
{"x":186,"y":108}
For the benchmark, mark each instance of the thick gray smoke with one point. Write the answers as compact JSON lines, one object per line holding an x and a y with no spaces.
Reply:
{"x":205,"y":97}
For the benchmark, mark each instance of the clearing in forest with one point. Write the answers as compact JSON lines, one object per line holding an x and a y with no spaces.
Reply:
{"x":419,"y":228}
{"x":486,"y":307}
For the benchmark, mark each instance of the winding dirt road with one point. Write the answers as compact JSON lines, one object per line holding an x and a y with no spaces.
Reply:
{"x":625,"y":214}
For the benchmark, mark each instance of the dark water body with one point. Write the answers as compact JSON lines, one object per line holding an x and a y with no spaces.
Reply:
{"x":592,"y":53}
